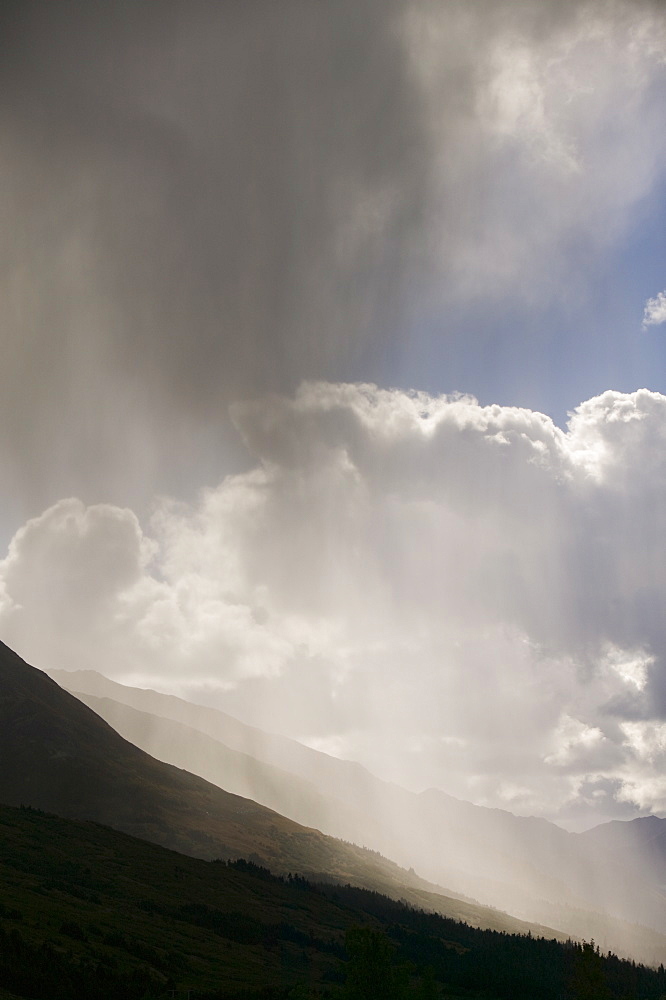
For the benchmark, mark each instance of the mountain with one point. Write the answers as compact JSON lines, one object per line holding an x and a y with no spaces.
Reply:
{"x":525,"y":865}
{"x":86,"y":911}
{"x":235,"y":771}
{"x":645,"y":836}
{"x":59,"y":756}
{"x":343,"y":780}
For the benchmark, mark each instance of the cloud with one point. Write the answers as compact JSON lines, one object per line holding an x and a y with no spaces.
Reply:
{"x":206,"y":202}
{"x":63,"y":575}
{"x":655,"y":310}
{"x":458,"y":595}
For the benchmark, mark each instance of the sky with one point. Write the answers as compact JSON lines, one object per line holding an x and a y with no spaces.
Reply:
{"x":333,"y":383}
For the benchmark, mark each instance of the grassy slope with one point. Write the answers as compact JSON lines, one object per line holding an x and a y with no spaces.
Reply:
{"x":106,"y":901}
{"x":57,"y":872}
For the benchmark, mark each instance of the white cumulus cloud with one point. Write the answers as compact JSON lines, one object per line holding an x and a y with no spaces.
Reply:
{"x":655,"y":310}
{"x":458,"y":595}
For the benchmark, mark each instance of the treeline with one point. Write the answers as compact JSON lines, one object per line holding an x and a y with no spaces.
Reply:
{"x":43,"y":972}
{"x":504,"y":965}
{"x":242,"y":928}
{"x":426,"y":946}
{"x":390,"y":951}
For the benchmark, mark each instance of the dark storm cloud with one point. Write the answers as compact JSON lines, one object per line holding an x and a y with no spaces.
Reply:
{"x":204,"y":201}
{"x":208,"y":198}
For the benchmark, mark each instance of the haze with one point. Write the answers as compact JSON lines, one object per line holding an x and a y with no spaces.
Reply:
{"x":333,"y":374}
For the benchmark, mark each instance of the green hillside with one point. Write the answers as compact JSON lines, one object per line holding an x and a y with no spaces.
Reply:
{"x":86,"y":911}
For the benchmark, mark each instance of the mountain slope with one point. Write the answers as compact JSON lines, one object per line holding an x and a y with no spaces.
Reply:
{"x":59,"y":756}
{"x":645,"y":836}
{"x":344,"y":780}
{"x":525,"y":865}
{"x":237,"y":772}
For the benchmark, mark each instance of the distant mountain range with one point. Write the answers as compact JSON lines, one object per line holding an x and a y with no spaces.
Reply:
{"x":644,"y":837}
{"x":597,"y":884}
